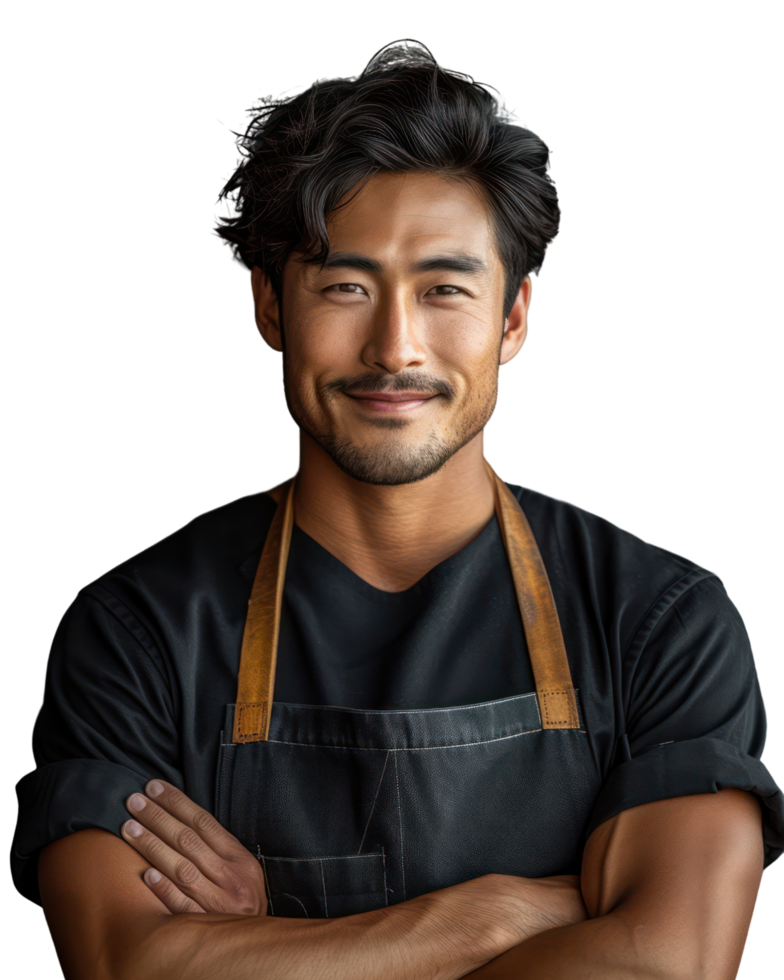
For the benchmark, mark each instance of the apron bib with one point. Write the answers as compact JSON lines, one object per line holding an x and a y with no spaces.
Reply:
{"x":351,"y":810}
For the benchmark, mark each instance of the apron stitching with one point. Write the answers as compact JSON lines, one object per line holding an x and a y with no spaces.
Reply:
{"x":298,"y":901}
{"x":384,"y":867}
{"x":408,"y":711}
{"x":375,"y":800}
{"x":422,"y":748}
{"x":324,"y":886}
{"x":266,"y":880}
{"x":327,"y":857}
{"x":400,"y":822}
{"x":321,"y":860}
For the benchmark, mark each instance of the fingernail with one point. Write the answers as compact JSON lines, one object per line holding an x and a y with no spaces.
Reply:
{"x":154,"y":788}
{"x":133,"y":829}
{"x":137,"y":802}
{"x":152,"y":876}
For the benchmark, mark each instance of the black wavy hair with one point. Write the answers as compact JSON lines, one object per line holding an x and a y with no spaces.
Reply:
{"x":403,"y":113}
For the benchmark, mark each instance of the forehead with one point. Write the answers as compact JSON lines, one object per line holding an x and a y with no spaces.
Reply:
{"x":411,"y":215}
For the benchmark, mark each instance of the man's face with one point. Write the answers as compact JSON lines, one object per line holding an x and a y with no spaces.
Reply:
{"x":392,"y":348}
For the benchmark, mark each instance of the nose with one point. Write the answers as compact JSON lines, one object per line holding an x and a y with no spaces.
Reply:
{"x":395,"y":339}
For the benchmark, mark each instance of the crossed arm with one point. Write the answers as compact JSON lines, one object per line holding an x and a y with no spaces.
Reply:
{"x":670,"y":889}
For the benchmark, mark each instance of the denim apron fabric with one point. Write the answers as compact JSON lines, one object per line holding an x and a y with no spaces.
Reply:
{"x":351,"y":810}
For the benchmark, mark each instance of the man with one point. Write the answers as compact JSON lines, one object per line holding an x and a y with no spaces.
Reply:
{"x":397,"y":718}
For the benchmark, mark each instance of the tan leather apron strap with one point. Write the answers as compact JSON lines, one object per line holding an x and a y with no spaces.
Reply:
{"x":260,"y":639}
{"x":555,"y":693}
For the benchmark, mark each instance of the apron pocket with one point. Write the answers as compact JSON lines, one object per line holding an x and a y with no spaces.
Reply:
{"x":325,"y":888}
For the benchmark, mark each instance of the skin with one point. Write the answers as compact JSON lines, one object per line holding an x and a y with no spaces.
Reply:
{"x":439,"y":331}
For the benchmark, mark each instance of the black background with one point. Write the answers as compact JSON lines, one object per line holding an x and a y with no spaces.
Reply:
{"x":145,"y":397}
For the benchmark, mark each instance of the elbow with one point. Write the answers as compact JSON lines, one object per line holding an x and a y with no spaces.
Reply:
{"x":649,"y":950}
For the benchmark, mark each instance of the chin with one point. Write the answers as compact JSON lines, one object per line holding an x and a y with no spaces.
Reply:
{"x":388,"y":466}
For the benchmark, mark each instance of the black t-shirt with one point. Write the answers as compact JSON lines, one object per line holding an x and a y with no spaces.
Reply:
{"x":146,"y":658}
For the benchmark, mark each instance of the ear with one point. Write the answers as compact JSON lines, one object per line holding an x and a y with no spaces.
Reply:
{"x":517,"y":327}
{"x":267,"y":308}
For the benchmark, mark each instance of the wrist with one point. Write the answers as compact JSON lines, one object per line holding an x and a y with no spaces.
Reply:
{"x":548,"y":903}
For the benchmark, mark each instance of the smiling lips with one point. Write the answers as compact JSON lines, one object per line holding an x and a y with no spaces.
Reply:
{"x":393,"y":396}
{"x":392,"y":401}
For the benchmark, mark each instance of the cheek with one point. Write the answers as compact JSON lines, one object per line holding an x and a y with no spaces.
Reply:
{"x":469,"y":348}
{"x":466,"y":340}
{"x":324,"y":342}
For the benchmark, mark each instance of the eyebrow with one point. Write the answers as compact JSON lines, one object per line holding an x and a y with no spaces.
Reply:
{"x":457,"y":262}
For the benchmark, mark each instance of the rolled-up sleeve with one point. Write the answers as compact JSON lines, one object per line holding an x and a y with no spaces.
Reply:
{"x":695,"y":718}
{"x":107,"y":726}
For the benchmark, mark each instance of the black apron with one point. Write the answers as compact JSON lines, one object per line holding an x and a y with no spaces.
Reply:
{"x":351,"y":810}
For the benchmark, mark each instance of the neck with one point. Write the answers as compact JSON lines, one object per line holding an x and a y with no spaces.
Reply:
{"x":392,"y":536}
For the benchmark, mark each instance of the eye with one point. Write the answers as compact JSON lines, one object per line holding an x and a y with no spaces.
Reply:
{"x":347,"y":287}
{"x":337,"y":284}
{"x":444,"y":290}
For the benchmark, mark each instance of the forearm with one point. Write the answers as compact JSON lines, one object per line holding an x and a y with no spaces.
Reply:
{"x":441,"y":936}
{"x":616,"y":946}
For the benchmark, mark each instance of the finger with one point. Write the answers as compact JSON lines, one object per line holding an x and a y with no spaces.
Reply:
{"x":177,"y":836}
{"x":175,"y":802}
{"x":168,"y":893}
{"x":173,"y":862}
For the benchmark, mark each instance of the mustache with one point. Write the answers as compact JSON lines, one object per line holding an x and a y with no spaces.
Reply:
{"x":363,"y":384}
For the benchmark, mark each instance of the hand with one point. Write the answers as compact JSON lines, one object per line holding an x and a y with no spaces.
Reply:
{"x":197,"y":866}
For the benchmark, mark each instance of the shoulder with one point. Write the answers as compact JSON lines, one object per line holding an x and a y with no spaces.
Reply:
{"x":205,"y":555}
{"x":584,"y":534}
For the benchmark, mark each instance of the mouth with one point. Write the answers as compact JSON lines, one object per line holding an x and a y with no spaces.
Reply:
{"x":392,"y":402}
